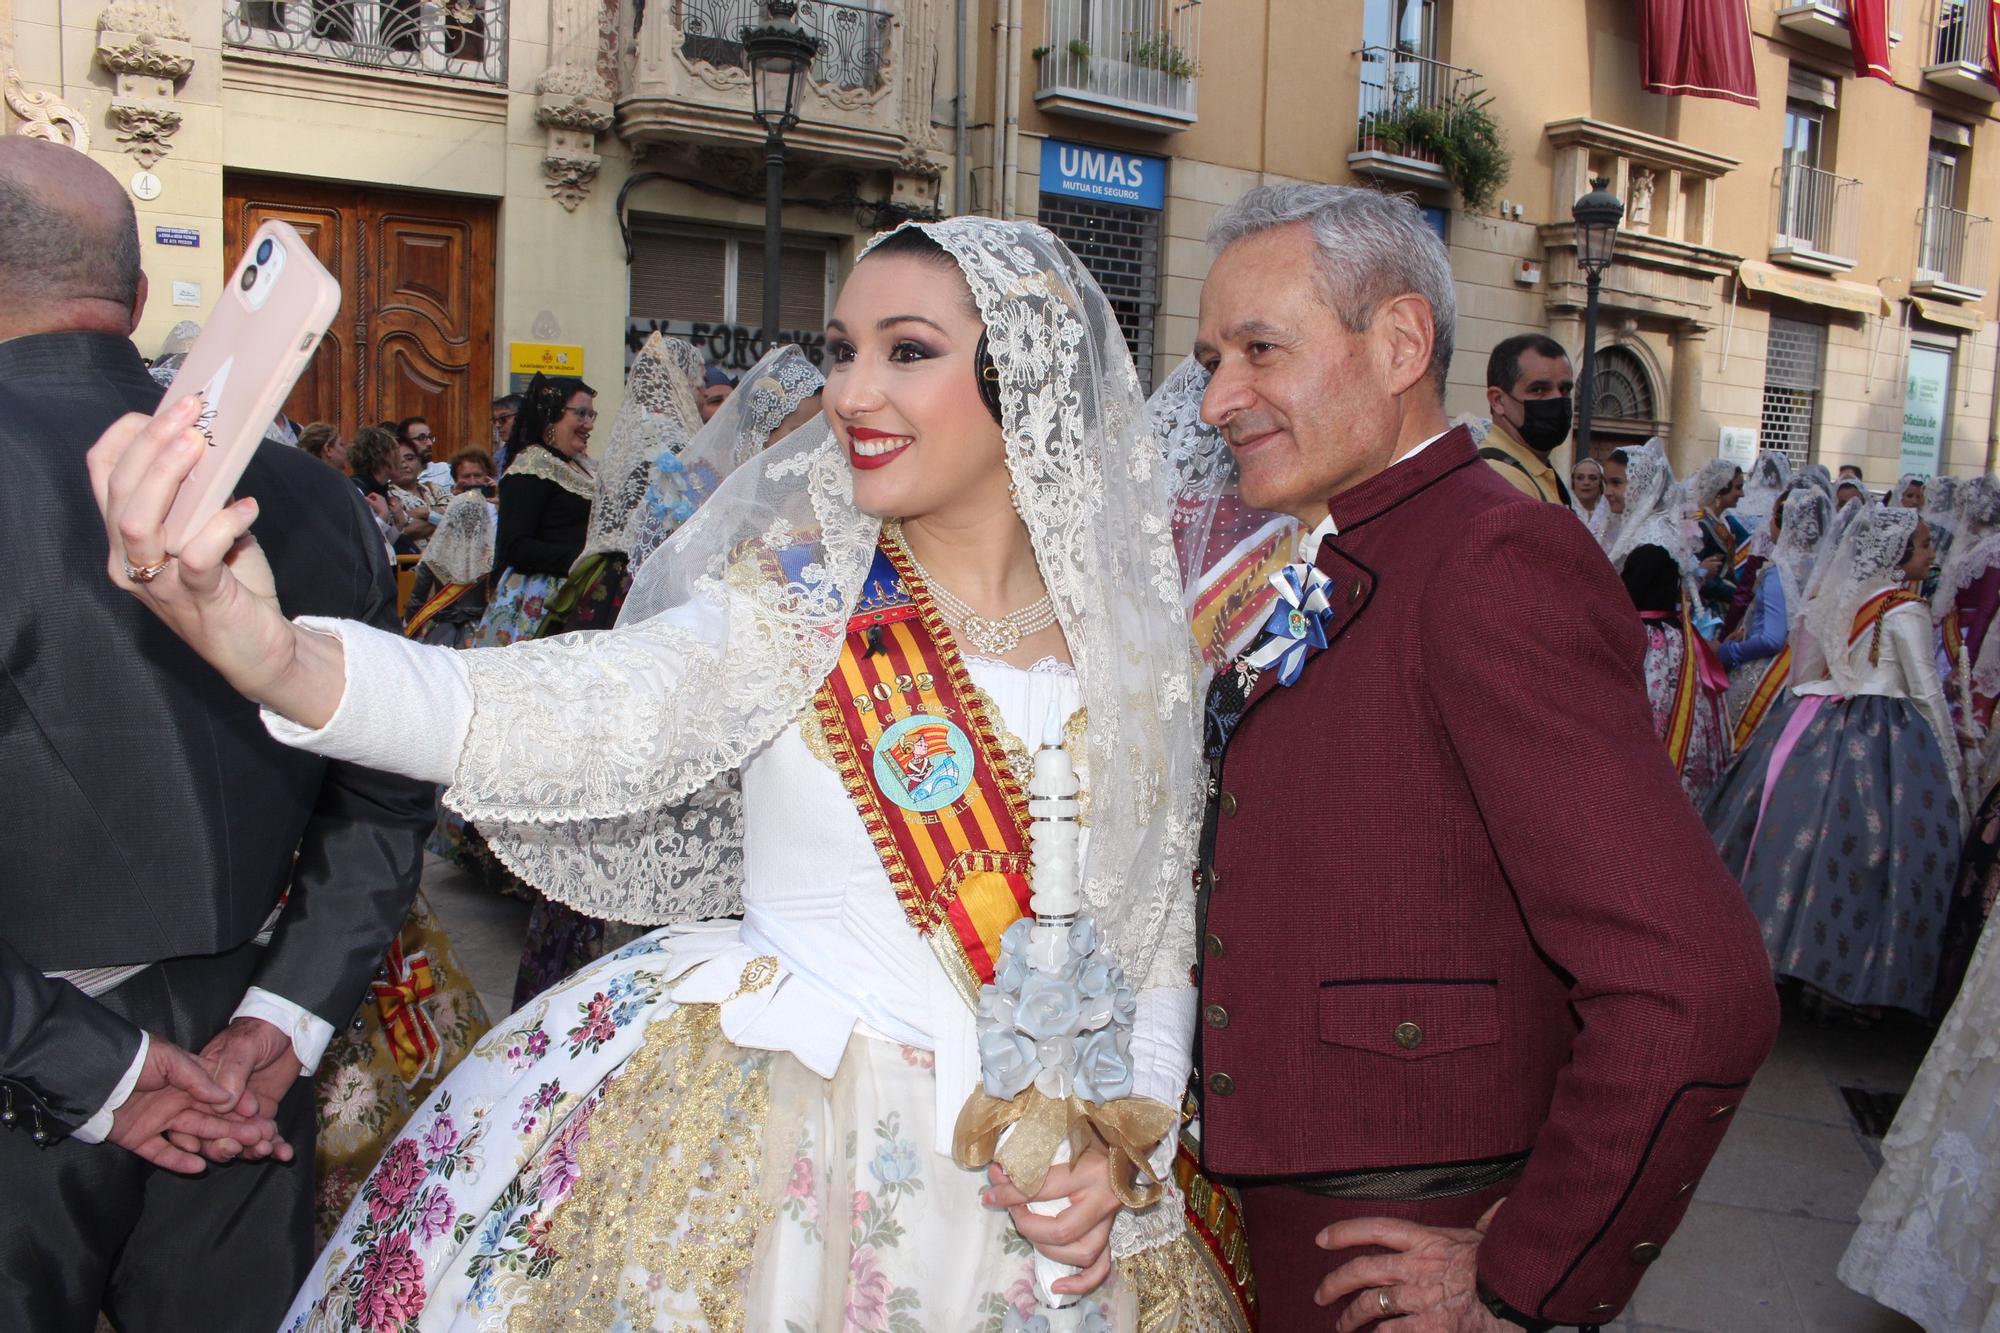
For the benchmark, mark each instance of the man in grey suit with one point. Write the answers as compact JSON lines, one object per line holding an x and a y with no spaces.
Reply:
{"x":174,"y":881}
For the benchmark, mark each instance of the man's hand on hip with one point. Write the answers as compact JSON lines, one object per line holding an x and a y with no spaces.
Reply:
{"x":252,"y":1056}
{"x":1427,"y":1283}
{"x":176,"y":1105}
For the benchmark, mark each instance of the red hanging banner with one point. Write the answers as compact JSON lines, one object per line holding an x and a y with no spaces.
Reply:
{"x":1868,"y":26}
{"x":1697,"y":48}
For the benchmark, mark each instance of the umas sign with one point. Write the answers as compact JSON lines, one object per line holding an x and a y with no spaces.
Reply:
{"x":1082,"y":172}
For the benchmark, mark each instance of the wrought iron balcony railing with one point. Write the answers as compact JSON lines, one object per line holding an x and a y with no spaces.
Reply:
{"x":1137,"y":56}
{"x":1959,"y":32}
{"x":1818,"y":217}
{"x":1952,"y":251}
{"x":1407,"y":102}
{"x":456,"y":39}
{"x":853,"y":39}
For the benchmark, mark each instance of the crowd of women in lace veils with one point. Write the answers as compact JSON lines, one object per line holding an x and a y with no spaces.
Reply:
{"x":1820,"y":671}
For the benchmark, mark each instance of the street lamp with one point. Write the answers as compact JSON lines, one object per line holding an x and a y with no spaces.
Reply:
{"x":780,"y":52}
{"x":1597,"y":216}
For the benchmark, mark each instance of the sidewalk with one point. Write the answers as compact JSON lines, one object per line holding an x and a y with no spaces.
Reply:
{"x":1758,"y":1250}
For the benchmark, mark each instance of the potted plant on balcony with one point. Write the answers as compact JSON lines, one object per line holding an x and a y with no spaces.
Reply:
{"x":1459,"y":137}
{"x":1160,"y":52}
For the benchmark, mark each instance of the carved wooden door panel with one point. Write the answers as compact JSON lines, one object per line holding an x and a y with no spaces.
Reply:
{"x":415,"y":331}
{"x":327,"y":390}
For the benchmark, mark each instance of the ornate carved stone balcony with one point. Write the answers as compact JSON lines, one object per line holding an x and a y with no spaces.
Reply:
{"x":867,"y":100}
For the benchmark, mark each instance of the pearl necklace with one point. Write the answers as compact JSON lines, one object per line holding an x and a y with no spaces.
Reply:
{"x":995,"y":638}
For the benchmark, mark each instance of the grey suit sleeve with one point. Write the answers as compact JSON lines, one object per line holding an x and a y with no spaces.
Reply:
{"x":61,"y":1050}
{"x":362,"y":852}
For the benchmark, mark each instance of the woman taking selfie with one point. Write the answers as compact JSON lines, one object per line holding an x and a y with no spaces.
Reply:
{"x":978,"y":520}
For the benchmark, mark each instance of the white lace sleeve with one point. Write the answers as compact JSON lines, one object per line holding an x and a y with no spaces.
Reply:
{"x":405,"y":709}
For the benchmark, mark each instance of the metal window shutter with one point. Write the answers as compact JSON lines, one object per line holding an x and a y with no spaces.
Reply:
{"x":677,"y":276}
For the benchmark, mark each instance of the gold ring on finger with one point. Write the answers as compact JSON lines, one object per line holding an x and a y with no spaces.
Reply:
{"x":147,"y":573}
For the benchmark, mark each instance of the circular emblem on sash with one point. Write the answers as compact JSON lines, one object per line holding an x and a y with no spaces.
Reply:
{"x":923,"y":763}
{"x":1295,"y":624}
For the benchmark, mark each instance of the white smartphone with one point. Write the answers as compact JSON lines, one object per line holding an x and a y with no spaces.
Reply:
{"x":273,"y":311}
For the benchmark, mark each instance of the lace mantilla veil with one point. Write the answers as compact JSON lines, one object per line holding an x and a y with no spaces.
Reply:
{"x":601,"y":767}
{"x":461,"y":550}
{"x":660,"y":414}
{"x":681,"y":479}
{"x":1862,"y":563}
{"x":1652,"y":514}
{"x":1214,"y":530}
{"x":1800,"y":544}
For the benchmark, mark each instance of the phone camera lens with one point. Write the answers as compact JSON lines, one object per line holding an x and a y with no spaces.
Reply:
{"x":249,"y":278}
{"x":264,"y":252}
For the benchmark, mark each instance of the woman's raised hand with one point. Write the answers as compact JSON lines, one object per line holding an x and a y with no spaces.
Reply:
{"x":216,"y":592}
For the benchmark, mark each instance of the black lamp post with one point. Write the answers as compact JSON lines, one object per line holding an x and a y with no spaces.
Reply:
{"x":1597,"y":216}
{"x":780,"y":52}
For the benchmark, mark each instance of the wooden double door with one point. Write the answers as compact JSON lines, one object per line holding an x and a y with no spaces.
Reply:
{"x":414,"y":336}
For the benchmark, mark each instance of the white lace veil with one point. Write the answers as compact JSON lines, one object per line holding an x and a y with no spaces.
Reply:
{"x":1806,"y":516}
{"x":1975,"y":547}
{"x":1652,"y":513}
{"x":461,"y":550}
{"x":1941,"y":508}
{"x":600,"y":767}
{"x":1710,"y":480}
{"x":1865,"y":562}
{"x":1215,"y":532}
{"x":661,"y":412}
{"x":682,"y":478}
{"x":1763,"y":486}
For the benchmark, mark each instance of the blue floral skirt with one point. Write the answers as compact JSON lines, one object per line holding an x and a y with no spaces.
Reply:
{"x":1851,"y":871}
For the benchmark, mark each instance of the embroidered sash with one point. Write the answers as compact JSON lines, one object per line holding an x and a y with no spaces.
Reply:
{"x":405,"y":982}
{"x":1230,"y":603}
{"x":1954,"y":636}
{"x":442,"y":600}
{"x":1772,"y":683}
{"x":921,"y":759}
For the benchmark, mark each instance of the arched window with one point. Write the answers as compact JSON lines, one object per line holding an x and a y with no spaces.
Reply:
{"x":1624,"y":393}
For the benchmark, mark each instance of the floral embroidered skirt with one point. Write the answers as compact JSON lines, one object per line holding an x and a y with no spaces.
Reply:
{"x":591,"y":597}
{"x":1708,"y":747}
{"x":360,"y":1098}
{"x":1854,"y":863}
{"x":608,"y":1160}
{"x":515,"y":610}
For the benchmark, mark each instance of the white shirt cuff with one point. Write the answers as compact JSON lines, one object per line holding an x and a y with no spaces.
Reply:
{"x":405,"y":707}
{"x":309,"y":1032}
{"x":1163,"y":1044}
{"x":98,"y":1128}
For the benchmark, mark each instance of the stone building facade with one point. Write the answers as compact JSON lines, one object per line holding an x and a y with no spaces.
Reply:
{"x":503,"y":184}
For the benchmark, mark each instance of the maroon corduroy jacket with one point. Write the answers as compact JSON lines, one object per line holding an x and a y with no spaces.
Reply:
{"x":1460,"y":906}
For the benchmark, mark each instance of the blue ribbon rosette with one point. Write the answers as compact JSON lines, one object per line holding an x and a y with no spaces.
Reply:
{"x":1298,"y":624}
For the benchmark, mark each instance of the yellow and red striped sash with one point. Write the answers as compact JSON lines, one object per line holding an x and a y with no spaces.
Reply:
{"x":1687,"y":689}
{"x":1769,"y":687}
{"x":1954,"y":637}
{"x":918,"y":752}
{"x":440,"y":601}
{"x":1868,"y":620}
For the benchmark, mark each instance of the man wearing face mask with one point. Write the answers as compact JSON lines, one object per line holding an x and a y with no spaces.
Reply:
{"x":1529,"y":386}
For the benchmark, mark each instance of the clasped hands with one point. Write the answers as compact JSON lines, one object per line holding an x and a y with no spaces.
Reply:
{"x":187,"y":1111}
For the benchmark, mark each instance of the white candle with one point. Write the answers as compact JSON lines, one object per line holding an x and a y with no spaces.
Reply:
{"x":1053,"y":833}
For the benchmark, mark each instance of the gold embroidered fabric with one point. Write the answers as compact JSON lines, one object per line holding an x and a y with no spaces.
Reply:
{"x":669,"y":1187}
{"x":1179,"y":1290}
